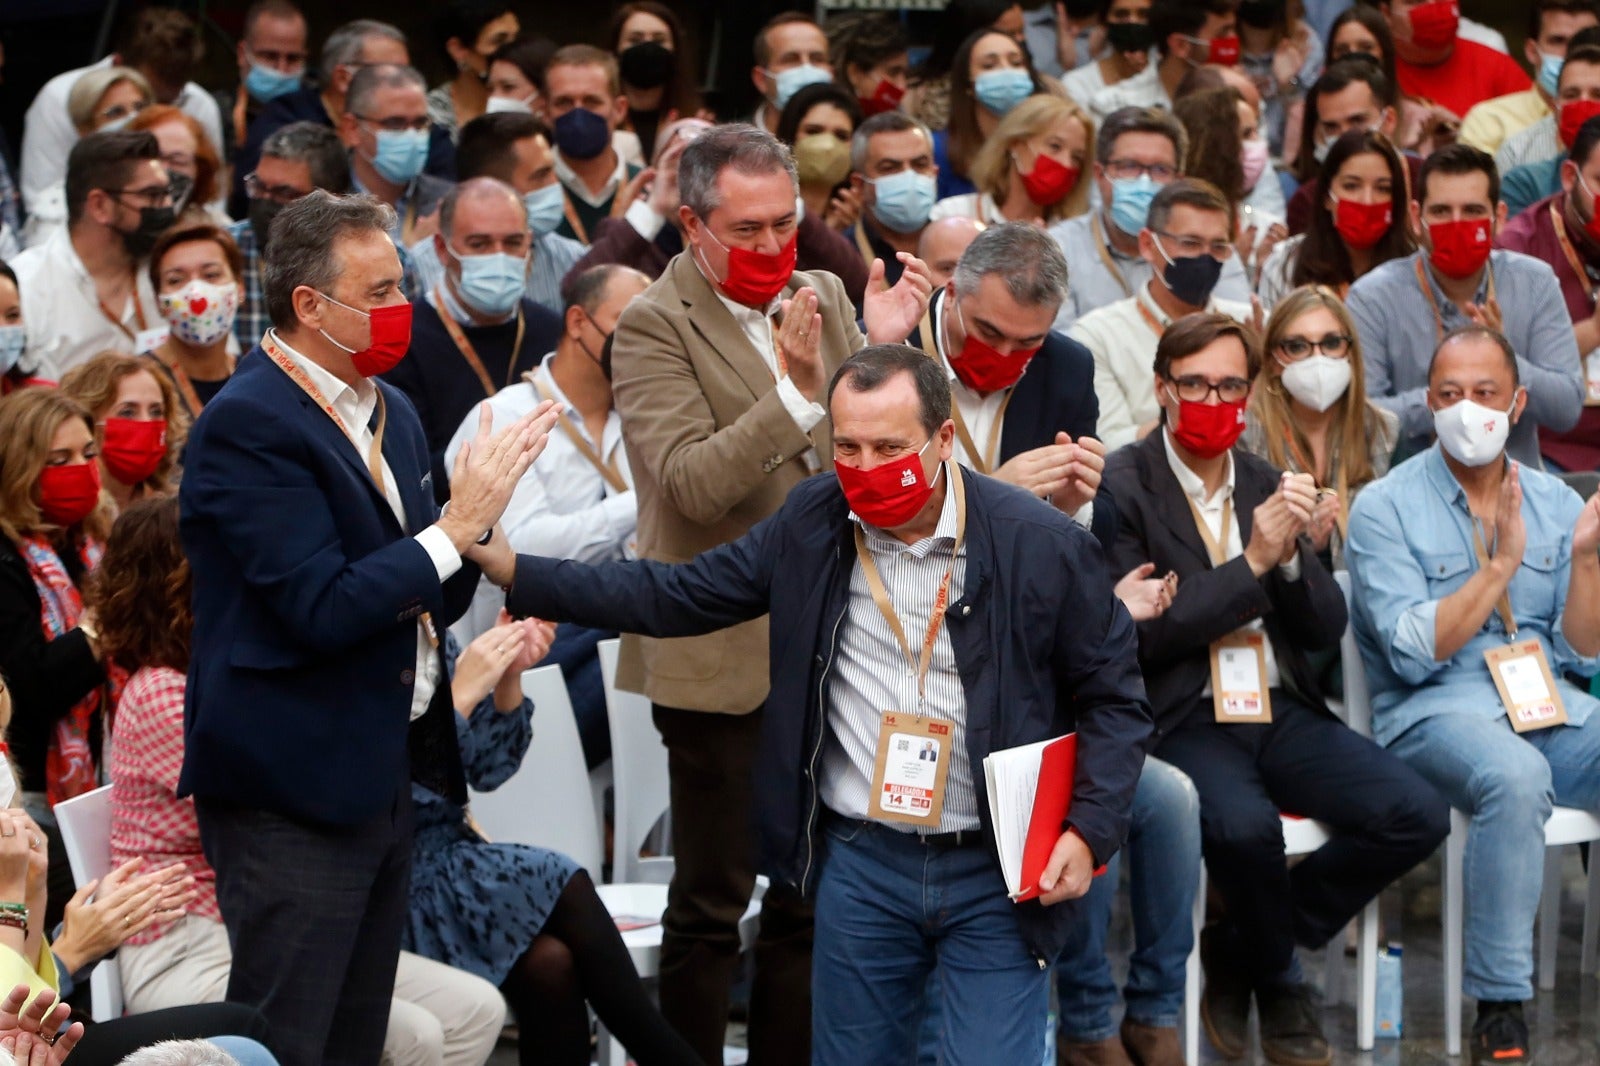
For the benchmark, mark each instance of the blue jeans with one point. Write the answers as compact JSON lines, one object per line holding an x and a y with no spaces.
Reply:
{"x":889,"y":909}
{"x":244,"y":1050}
{"x":1164,"y":848}
{"x":1507,"y":783}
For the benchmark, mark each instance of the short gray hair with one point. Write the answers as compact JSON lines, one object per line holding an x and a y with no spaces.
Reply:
{"x":887,"y":122}
{"x":480,"y":187}
{"x":346,"y":43}
{"x":301,"y":241}
{"x":738,"y":145}
{"x":368,"y":80}
{"x":318,"y":147}
{"x":1155,"y":120}
{"x":180,"y":1053}
{"x":1024,"y":256}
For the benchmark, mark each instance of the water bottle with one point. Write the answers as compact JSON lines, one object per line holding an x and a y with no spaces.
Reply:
{"x":1389,"y":996}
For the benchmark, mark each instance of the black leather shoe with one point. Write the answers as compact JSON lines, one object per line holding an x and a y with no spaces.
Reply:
{"x":1225,"y":1004}
{"x":1291,"y":1034}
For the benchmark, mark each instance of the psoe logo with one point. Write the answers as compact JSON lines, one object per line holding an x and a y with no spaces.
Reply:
{"x":908,"y":478}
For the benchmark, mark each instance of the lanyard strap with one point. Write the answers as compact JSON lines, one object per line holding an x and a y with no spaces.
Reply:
{"x":470,"y":354}
{"x":138,"y":309}
{"x":1150,"y":320}
{"x":408,"y":228}
{"x":1433,"y":303}
{"x":1504,"y":606}
{"x":576,"y":223}
{"x":607,"y":467}
{"x":1341,"y":481}
{"x":1560,"y":226}
{"x":941,"y":601}
{"x":985,"y":461}
{"x":1216,"y":550}
{"x":181,"y":381}
{"x":1105,"y":255}
{"x":298,"y":375}
{"x":862,"y":243}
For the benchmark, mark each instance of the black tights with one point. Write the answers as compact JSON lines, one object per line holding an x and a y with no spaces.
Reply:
{"x":578,"y":958}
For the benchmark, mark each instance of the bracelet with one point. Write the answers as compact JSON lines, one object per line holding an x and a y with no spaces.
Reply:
{"x":14,"y":908}
{"x":14,"y":921}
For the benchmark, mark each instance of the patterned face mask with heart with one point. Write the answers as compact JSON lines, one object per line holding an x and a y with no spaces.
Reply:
{"x":201,"y":313}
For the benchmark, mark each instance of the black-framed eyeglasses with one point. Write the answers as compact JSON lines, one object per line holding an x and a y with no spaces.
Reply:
{"x":1333,"y":345}
{"x":1192,"y":388}
{"x":397,"y":124}
{"x":1189,"y":247}
{"x":150,"y":196}
{"x":256,"y":189}
{"x":1128,"y":169}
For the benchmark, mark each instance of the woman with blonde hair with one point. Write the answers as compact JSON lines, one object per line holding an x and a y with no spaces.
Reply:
{"x":138,"y":425}
{"x":1031,"y":168}
{"x":102,"y":99}
{"x":1309,"y":412}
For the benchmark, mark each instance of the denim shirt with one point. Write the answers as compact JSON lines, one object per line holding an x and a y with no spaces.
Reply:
{"x":1411,"y":545}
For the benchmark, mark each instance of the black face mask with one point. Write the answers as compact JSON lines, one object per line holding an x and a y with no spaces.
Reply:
{"x":262,"y":212}
{"x":182,"y":188}
{"x":1191,"y":278}
{"x":1082,"y":9}
{"x":647,"y":65}
{"x":1262,"y":14}
{"x":1130,"y":36}
{"x":153,"y":222}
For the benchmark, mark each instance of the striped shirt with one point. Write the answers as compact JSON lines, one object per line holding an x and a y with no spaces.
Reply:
{"x":871,"y":674}
{"x":553,"y":256}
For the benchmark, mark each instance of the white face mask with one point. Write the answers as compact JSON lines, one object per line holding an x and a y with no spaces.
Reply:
{"x":1317,"y":380}
{"x":1471,"y":433}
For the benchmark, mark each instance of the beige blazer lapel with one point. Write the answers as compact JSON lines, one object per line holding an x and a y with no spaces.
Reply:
{"x":716,"y":326}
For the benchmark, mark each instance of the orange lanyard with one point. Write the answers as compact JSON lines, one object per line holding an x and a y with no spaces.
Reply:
{"x":138,"y":309}
{"x":608,"y":468}
{"x":985,"y":461}
{"x":1433,"y":303}
{"x":1105,"y":254}
{"x":298,"y":375}
{"x":1504,"y":604}
{"x":470,"y":354}
{"x":1150,"y":320}
{"x":1571,"y":253}
{"x":941,"y":601}
{"x":862,"y":242}
{"x":1217,"y":549}
{"x":181,"y":382}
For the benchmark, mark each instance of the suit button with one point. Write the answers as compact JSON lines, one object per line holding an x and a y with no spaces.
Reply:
{"x":966,"y":610}
{"x":407,"y":676}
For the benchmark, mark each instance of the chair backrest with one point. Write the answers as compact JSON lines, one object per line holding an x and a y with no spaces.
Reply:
{"x":85,"y":823}
{"x":1584,"y":482}
{"x":547,"y":802}
{"x":1357,"y":700}
{"x":639,"y":773}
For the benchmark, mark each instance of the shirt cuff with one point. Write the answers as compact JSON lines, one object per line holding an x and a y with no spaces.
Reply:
{"x":1290,"y":571}
{"x":1084,"y":515}
{"x":446,"y":560}
{"x":805,"y":413}
{"x":643,"y":218}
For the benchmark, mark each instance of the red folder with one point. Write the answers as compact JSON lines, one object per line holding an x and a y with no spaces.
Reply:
{"x":1030,"y":791}
{"x":1057,"y":765}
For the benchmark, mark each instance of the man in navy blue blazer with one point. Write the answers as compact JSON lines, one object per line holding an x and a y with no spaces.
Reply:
{"x":322,"y":578}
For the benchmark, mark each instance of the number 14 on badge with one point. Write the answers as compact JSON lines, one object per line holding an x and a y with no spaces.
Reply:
{"x":1527,"y":689}
{"x":913,"y":760}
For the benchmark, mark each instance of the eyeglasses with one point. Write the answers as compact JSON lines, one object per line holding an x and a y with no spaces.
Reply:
{"x":1192,"y":388}
{"x":1334,"y":345}
{"x":1189,"y":247}
{"x":1128,"y":169}
{"x":150,"y":196}
{"x":278,"y":194}
{"x":397,"y":124}
{"x":121,"y":111}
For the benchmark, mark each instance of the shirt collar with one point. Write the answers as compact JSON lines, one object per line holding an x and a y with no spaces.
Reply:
{"x":944,"y":532}
{"x":1444,"y":482}
{"x":1433,"y":283}
{"x":569,"y":177}
{"x":399,"y":204}
{"x":348,"y":401}
{"x":935,"y":322}
{"x":1149,"y":303}
{"x":1191,"y":483}
{"x":547,"y":383}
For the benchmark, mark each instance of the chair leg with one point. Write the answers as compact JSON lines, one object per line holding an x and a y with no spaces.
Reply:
{"x":1191,"y":981}
{"x":1549,"y":918}
{"x":1452,"y":916}
{"x":1591,"y":918}
{"x":1367,"y":983}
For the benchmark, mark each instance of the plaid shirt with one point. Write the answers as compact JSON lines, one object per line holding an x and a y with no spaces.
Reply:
{"x":252,"y":320}
{"x":147,"y":818}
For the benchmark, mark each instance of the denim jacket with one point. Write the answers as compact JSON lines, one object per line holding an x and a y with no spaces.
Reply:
{"x":1410,"y":546}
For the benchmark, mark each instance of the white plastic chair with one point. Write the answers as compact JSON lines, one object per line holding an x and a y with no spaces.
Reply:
{"x":639,"y":773}
{"x":85,"y":823}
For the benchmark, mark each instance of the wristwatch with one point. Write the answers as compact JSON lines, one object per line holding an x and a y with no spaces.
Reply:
{"x":484,"y":539}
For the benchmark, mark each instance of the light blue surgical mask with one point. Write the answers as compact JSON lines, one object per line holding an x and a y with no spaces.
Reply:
{"x":268,"y":83}
{"x":12,"y":340}
{"x":546,"y":207}
{"x":1001,"y":90}
{"x":492,"y":284}
{"x":1550,"y":72}
{"x":902,"y":201}
{"x":1130,"y":202}
{"x":401,"y":154}
{"x":785,"y":83}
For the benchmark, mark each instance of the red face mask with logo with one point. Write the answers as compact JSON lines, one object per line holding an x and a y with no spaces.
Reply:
{"x":1208,"y":429}
{"x":890,"y":494}
{"x":391,"y":338}
{"x":1574,"y":114}
{"x":1049,"y":182}
{"x":1459,"y":248}
{"x":1224,"y":51}
{"x":886,"y":97}
{"x":1361,"y":225}
{"x":754,"y":278}
{"x":68,"y":494}
{"x":983,"y":368}
{"x":1435,"y":25}
{"x":132,"y":449}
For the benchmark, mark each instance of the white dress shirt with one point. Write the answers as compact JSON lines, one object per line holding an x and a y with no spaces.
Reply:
{"x":62,"y":312}
{"x":356,"y":409}
{"x":1144,"y":89}
{"x":563,"y":508}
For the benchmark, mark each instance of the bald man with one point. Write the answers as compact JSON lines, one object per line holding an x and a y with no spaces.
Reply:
{"x":475,"y":331}
{"x":942,"y":244}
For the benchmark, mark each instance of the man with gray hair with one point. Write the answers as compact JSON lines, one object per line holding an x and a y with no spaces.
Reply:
{"x":385,"y":126}
{"x":721,"y":413}
{"x":296,"y":159}
{"x":892,"y":170}
{"x":323,"y":573}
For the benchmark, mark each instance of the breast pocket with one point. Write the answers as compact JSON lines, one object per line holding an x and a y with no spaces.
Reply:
{"x":1446,"y":571}
{"x":1536,"y":589}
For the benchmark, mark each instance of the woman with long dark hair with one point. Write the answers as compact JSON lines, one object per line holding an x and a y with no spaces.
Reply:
{"x":992,"y":74}
{"x":469,"y":33}
{"x":931,"y":95}
{"x":817,"y":124}
{"x":658,"y":69}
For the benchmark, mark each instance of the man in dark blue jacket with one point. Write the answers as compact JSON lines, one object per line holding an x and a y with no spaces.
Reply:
{"x":911,"y":600}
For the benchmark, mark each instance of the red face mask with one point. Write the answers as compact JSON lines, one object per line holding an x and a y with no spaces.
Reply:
{"x":132,"y":449}
{"x":391,"y":338}
{"x":1573,"y":115}
{"x":886,"y":97}
{"x":890,"y":494}
{"x":1434,"y":25}
{"x":1224,"y":51}
{"x":983,"y":368}
{"x":1362,"y":225}
{"x":1049,"y":182}
{"x":1207,"y":429}
{"x":753,"y":278}
{"x":1459,"y":248}
{"x":68,"y":494}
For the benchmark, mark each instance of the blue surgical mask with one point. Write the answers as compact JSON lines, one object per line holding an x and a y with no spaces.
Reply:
{"x":401,"y":154}
{"x":785,"y":83}
{"x":1001,"y":90}
{"x":12,"y":339}
{"x":268,"y":83}
{"x":546,"y":207}
{"x":492,"y":284}
{"x":1550,"y":72}
{"x":1130,"y":202}
{"x":902,"y":201}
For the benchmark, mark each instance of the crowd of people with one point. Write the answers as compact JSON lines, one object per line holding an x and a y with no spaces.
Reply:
{"x":1036,"y":379}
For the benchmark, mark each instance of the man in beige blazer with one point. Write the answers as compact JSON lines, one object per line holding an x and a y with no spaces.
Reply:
{"x":719,"y":370}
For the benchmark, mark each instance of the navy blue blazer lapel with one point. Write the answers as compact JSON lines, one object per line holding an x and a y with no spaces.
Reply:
{"x":1171,"y":506}
{"x":327,"y":432}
